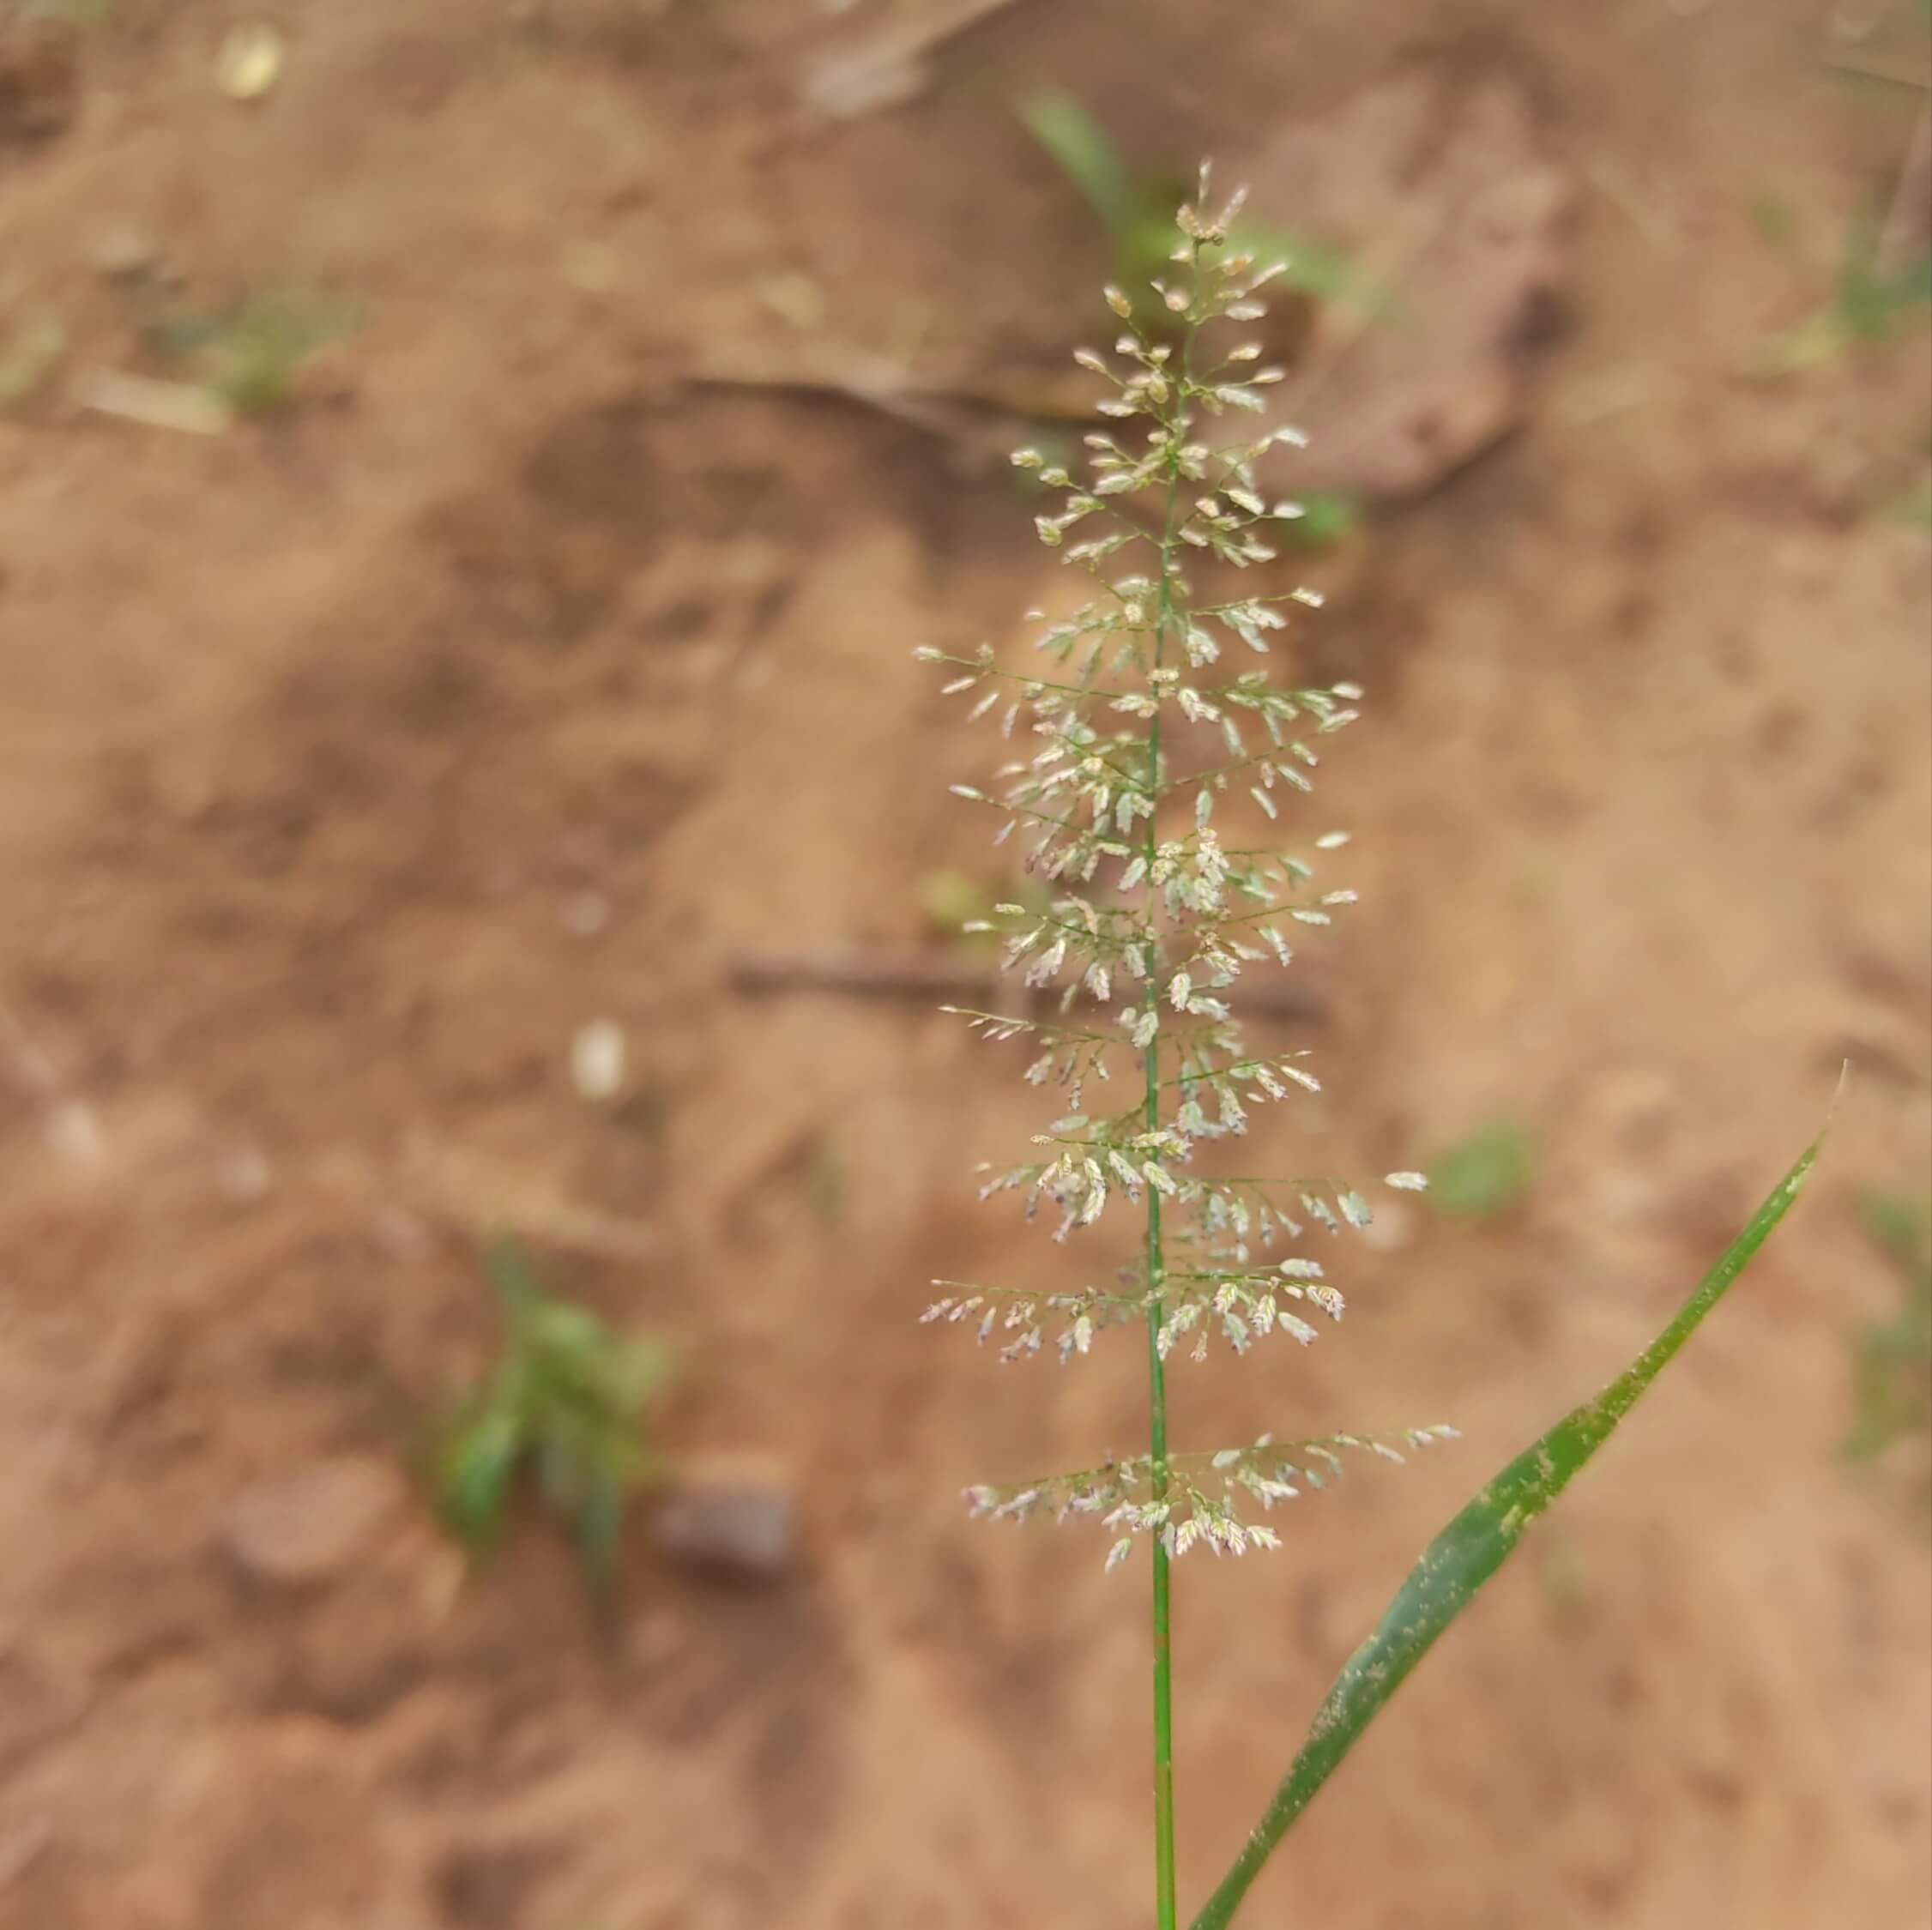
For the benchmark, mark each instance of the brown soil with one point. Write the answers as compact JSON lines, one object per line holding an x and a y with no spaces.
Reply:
{"x":318,"y":732}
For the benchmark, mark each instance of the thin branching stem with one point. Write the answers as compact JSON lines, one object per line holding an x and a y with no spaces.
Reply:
{"x":1166,"y":1914}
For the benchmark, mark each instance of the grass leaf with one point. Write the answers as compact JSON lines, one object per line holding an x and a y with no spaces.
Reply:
{"x":1311,"y":267}
{"x":507,"y":1268}
{"x":1087,"y":157}
{"x":1485,"y":1172}
{"x":476,"y":1463}
{"x":1891,"y":1359}
{"x":1470,"y":1550}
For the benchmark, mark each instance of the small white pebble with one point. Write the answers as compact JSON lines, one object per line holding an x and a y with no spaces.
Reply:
{"x":586,"y":913}
{"x":599,"y":1059}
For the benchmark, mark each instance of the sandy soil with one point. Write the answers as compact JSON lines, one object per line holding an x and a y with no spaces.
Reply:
{"x":320,"y":735}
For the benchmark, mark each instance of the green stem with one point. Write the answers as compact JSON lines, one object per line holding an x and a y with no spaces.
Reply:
{"x":1166,"y":1913}
{"x":1163,"y":1622}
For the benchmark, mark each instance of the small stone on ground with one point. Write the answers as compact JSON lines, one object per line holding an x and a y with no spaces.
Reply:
{"x":730,"y":1515}
{"x":306,"y":1527}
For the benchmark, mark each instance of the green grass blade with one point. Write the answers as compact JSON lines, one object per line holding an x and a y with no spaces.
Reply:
{"x":1469,"y":1551}
{"x":474,"y":1471}
{"x":507,"y":1267}
{"x":599,"y":1527}
{"x":1086,"y":156}
{"x":1310,"y":266}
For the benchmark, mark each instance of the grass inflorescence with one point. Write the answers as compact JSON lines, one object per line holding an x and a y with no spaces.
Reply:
{"x":1153,"y":716}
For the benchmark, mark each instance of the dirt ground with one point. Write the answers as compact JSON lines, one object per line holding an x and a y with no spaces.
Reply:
{"x":351,"y":759}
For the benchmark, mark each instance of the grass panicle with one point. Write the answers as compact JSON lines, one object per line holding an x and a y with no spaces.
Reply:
{"x":1152,"y":718}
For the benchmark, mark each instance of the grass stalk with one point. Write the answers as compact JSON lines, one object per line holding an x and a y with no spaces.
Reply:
{"x":1166,"y":1908}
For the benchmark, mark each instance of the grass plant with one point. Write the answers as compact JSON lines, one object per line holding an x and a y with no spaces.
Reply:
{"x":562,"y":1404}
{"x":1149,"y":721}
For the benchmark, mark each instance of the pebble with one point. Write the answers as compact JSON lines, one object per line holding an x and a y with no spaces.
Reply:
{"x":74,"y":1134}
{"x":793,"y":299}
{"x":306,"y":1527}
{"x":730,"y":1515}
{"x":125,"y":253}
{"x":599,"y":1059}
{"x":243,"y":1176}
{"x":586,"y":913}
{"x":250,"y":61}
{"x":1392,"y":1229}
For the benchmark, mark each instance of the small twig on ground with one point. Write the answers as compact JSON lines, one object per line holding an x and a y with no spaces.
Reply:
{"x":154,"y":405}
{"x":937,"y":978}
{"x":976,"y":429}
{"x":935,"y":411}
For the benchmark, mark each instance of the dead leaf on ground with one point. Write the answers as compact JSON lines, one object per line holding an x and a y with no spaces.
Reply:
{"x":1445,"y":195}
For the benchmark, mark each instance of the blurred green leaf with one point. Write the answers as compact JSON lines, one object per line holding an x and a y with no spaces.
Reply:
{"x":253,"y":365}
{"x":1088,"y":158}
{"x":1914,"y":507}
{"x":1891,"y":1359}
{"x":1308,"y":265}
{"x":251,"y":352}
{"x":1774,"y":218}
{"x":28,"y":358}
{"x":507,"y":1268}
{"x":950,"y":899}
{"x":1813,"y":343}
{"x":478,"y":1457}
{"x":72,"y":12}
{"x":642,"y":1366}
{"x":1485,"y":1174}
{"x":1900,"y":1223}
{"x":1870,"y":303}
{"x":568,"y":1339}
{"x":566,"y":1403}
{"x":600,"y":1525}
{"x":1327,"y":518}
{"x":1458,"y":1562}
{"x":824,"y":1181}
{"x":1137,"y":208}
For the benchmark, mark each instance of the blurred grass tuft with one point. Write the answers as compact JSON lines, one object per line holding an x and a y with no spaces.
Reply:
{"x":1484,"y":1174}
{"x":564,"y":1405}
